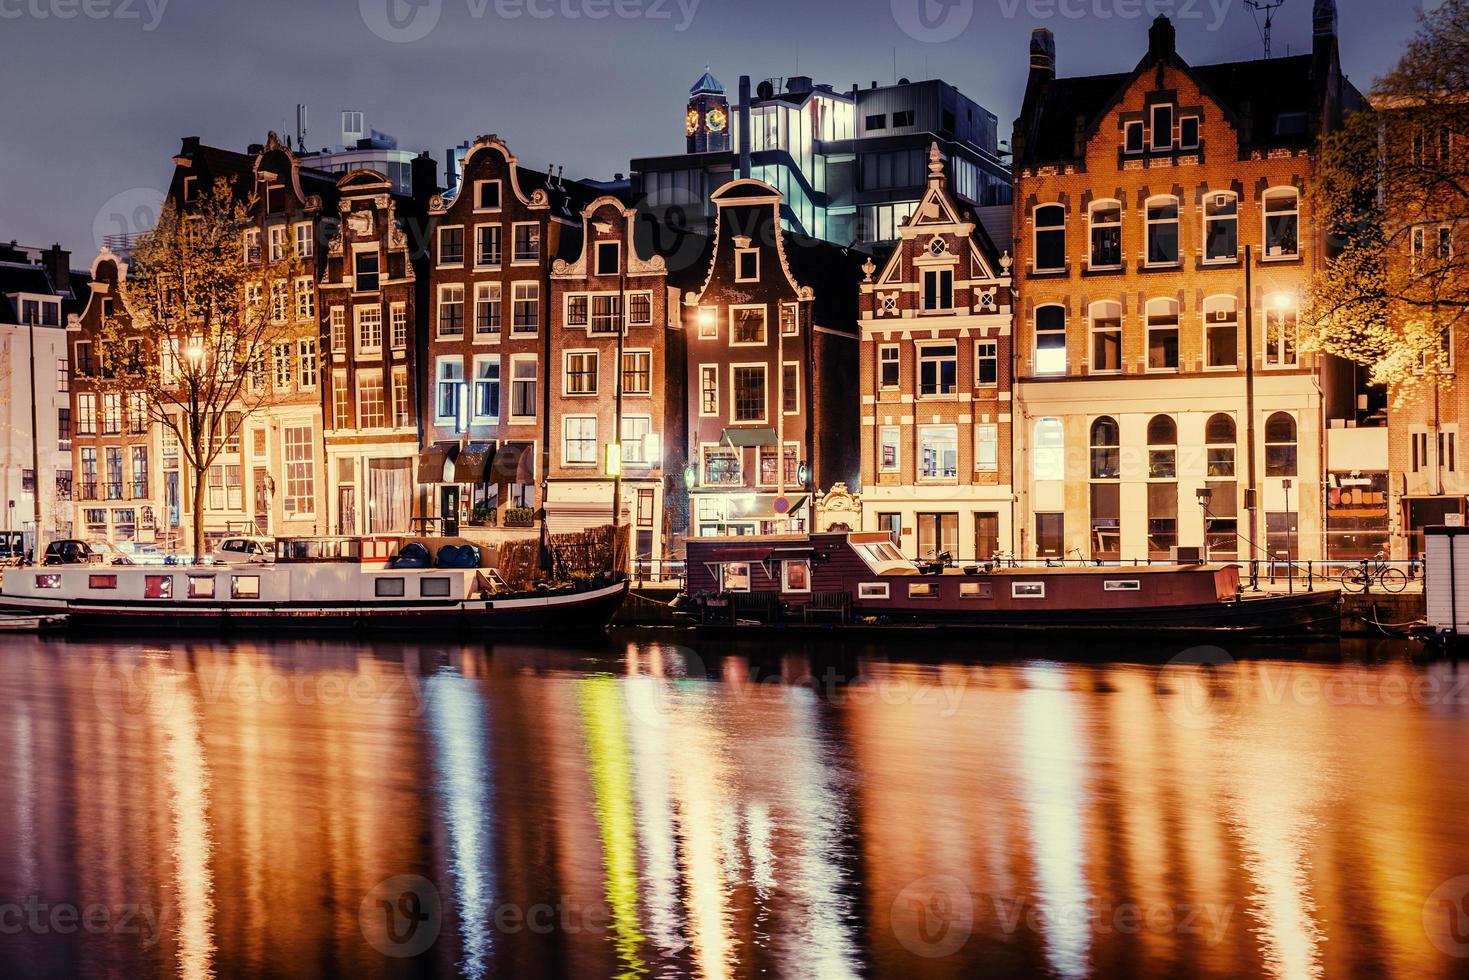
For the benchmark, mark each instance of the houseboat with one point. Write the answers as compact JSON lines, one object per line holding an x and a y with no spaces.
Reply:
{"x":312,"y":585}
{"x":862,"y":578}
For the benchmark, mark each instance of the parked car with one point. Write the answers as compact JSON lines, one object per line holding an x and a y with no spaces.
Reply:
{"x":145,"y":554}
{"x":12,"y":547}
{"x":68,"y":551}
{"x":244,"y":550}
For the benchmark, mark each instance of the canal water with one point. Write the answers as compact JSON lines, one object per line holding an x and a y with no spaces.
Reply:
{"x":659,"y":806}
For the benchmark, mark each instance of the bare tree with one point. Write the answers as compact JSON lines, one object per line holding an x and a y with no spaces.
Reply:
{"x":203,"y":306}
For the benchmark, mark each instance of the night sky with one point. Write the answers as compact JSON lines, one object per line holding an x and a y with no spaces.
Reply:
{"x":97,"y":101}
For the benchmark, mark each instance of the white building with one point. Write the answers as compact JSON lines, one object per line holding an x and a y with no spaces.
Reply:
{"x":37,"y":295}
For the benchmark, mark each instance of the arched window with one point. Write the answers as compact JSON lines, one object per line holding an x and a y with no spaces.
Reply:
{"x":1221,"y":226}
{"x":1219,"y":434}
{"x":1106,"y":329}
{"x":1162,"y":221}
{"x":1050,"y":238}
{"x":1106,"y":449}
{"x":1050,"y":340}
{"x":1106,"y":496}
{"x":1162,"y":490}
{"x":1282,"y":223}
{"x":1162,"y":335}
{"x":1049,"y":459}
{"x":1221,"y":332}
{"x":1162,"y":448}
{"x":1105,"y":220}
{"x":1280,"y":445}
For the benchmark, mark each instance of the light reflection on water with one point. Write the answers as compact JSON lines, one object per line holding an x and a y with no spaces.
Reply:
{"x":636,"y":808}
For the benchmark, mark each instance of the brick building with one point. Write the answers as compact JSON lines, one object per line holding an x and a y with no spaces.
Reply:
{"x":117,"y":457}
{"x":1137,"y":197}
{"x":609,"y":338}
{"x":936,"y":384}
{"x":770,"y":326}
{"x":1427,"y":483}
{"x":375,"y":284}
{"x":492,"y":240}
{"x":270,"y":479}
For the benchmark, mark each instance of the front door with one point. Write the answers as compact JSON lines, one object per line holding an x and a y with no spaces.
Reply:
{"x":346,"y":510}
{"x":449,"y":509}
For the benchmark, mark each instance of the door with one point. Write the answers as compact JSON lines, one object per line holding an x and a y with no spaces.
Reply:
{"x":346,"y":510}
{"x":1050,"y":535}
{"x":449,"y":510}
{"x":986,"y":535}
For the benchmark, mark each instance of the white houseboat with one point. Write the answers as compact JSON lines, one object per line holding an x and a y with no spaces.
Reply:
{"x":318,"y":584}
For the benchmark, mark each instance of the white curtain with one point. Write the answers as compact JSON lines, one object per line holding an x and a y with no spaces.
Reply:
{"x":390,"y":500}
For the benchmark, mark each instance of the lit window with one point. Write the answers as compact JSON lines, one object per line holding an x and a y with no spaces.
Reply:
{"x":1106,"y":235}
{"x":1050,"y":340}
{"x":1106,"y":328}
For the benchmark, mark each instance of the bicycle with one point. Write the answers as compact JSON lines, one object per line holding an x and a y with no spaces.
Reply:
{"x":1376,"y":569}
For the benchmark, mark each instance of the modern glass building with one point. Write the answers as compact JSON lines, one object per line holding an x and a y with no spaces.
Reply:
{"x":850,"y":165}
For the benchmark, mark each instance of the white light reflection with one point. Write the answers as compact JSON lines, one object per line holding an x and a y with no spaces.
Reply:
{"x":188,"y":783}
{"x":461,"y":754}
{"x":1051,"y":782}
{"x":649,"y":753}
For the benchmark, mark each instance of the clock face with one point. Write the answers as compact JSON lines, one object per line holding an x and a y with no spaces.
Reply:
{"x":717,"y":120}
{"x":693,"y":121}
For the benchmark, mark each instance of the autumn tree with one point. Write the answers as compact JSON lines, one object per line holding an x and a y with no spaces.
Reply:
{"x":1393,"y":197}
{"x":202,"y":308}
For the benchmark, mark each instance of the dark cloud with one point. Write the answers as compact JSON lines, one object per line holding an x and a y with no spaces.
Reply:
{"x":96,"y":104}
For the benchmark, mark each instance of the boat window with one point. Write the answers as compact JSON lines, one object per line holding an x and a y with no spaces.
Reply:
{"x":158,"y":587}
{"x":244,"y":586}
{"x":388,"y":588}
{"x":50,"y":581}
{"x":796,"y":576}
{"x":873,"y":590}
{"x":1027,"y":590}
{"x":101,"y":581}
{"x":976,"y":590}
{"x":1121,"y":585}
{"x":734,"y":576}
{"x":923,"y":590}
{"x":201,"y":586}
{"x":434,"y":588}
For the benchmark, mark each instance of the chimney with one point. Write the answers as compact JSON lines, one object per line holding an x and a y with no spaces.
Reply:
{"x":424,"y":174}
{"x":744,"y":110}
{"x":57,"y":262}
{"x":1162,"y":39}
{"x":1042,"y":55}
{"x":1323,"y":18}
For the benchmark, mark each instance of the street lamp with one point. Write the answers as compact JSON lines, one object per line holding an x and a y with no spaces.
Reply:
{"x":1205,"y":495}
{"x":1290,"y":568}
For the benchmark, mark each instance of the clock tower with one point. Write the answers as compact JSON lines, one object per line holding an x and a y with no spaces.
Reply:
{"x":706,"y":123}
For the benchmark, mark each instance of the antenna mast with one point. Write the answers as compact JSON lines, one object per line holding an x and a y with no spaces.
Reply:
{"x":1268,"y":8}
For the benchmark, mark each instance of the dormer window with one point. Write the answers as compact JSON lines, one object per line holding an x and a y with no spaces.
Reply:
{"x":487,"y":195}
{"x":938,"y":290}
{"x":609,"y":256}
{"x":1188,"y":133}
{"x":1133,"y":137}
{"x":747,"y":265}
{"x":1162,"y":127}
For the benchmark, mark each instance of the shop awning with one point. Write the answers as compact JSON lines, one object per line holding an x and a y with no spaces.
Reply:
{"x":746,"y":438}
{"x":474,"y":462}
{"x":515,"y":462}
{"x":435,"y":463}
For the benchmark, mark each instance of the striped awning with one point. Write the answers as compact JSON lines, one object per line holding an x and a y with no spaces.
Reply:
{"x":435,"y":463}
{"x":473,"y":463}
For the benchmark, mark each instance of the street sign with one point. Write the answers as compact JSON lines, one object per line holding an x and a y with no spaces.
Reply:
{"x":782,"y":505}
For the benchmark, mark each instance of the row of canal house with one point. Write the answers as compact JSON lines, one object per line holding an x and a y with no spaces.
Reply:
{"x":1081,"y":382}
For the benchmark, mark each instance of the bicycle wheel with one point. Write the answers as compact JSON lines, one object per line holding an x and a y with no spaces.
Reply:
{"x":1393,"y":579}
{"x":1353,"y":579}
